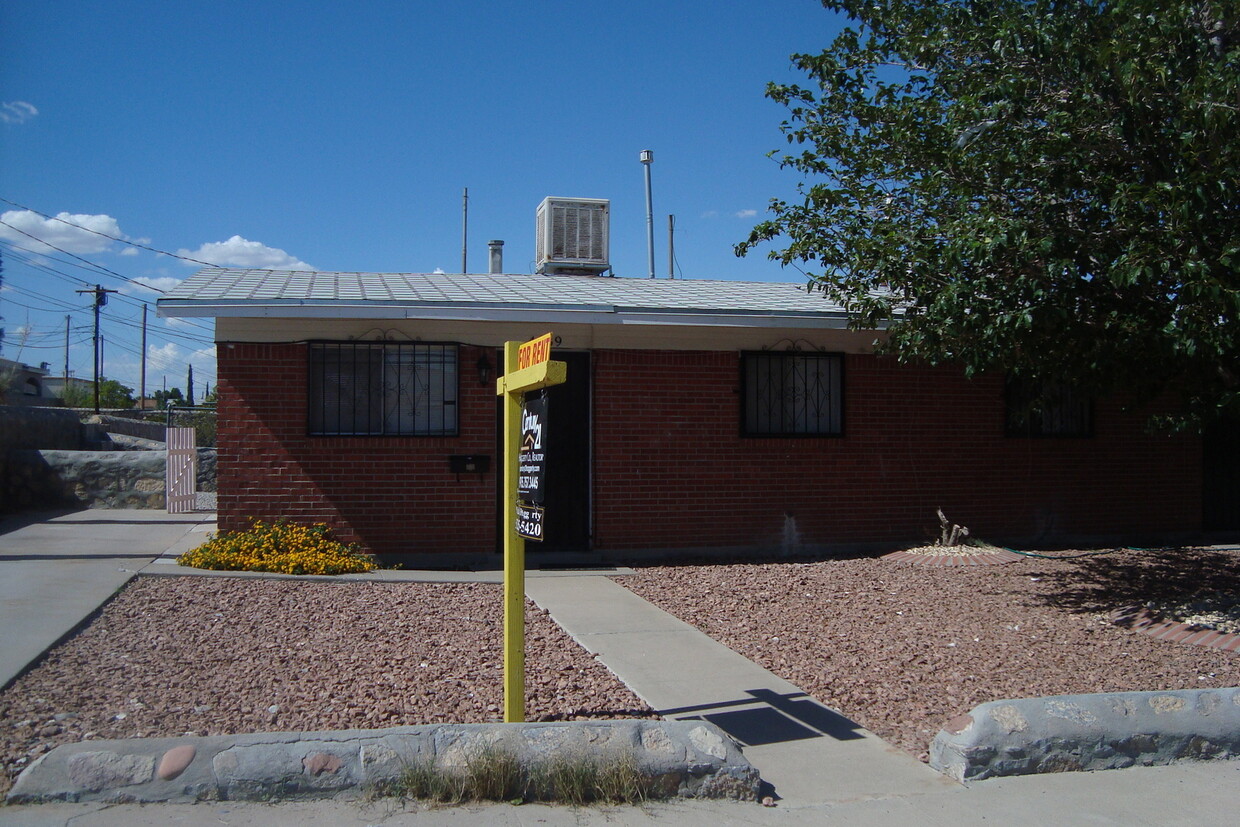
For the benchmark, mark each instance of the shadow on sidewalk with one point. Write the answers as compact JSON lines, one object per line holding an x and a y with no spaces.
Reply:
{"x":781,"y":718}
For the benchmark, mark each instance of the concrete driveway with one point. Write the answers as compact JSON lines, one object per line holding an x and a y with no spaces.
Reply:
{"x":57,"y":568}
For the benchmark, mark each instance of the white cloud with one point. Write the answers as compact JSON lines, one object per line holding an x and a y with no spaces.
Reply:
{"x":710,"y":214}
{"x":438,"y":271}
{"x":64,"y":231}
{"x":130,"y":251}
{"x":746,"y":213}
{"x":239,"y":252}
{"x":164,"y":356}
{"x":17,"y":111}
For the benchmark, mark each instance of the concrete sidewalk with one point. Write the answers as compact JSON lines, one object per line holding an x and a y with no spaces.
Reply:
{"x":809,"y":754}
{"x":57,"y":568}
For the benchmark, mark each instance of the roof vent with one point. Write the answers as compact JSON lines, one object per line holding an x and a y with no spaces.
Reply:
{"x":573,"y":236}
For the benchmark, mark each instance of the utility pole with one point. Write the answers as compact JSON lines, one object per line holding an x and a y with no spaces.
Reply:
{"x":671,"y":246}
{"x":101,"y":298}
{"x":142,"y":392}
{"x":464,"y":230}
{"x":66,"y":352}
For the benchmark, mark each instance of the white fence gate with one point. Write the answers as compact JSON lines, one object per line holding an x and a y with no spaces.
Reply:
{"x":181,"y":477}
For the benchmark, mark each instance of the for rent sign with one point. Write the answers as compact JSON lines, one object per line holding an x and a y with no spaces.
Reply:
{"x":534,"y":352}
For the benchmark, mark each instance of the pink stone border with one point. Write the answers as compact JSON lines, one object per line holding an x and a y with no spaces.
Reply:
{"x":1142,"y":620}
{"x":982,"y":557}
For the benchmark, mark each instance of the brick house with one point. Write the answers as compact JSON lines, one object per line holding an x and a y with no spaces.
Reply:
{"x":698,"y":415}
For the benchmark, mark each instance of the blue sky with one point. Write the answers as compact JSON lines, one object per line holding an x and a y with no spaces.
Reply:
{"x":339,"y":136}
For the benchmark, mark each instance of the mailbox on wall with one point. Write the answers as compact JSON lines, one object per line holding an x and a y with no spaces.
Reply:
{"x":469,"y":463}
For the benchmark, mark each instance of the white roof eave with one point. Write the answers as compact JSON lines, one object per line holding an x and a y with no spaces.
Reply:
{"x":489,"y":312}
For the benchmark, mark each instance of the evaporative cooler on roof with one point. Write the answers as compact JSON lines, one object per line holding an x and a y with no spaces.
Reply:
{"x":572,"y":236}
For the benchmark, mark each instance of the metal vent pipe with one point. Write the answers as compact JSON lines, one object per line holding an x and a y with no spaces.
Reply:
{"x":497,"y":256}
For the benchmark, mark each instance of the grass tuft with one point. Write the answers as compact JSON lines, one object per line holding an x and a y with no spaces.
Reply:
{"x":496,"y":774}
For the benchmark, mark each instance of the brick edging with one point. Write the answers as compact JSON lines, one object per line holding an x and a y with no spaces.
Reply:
{"x":1142,"y":620}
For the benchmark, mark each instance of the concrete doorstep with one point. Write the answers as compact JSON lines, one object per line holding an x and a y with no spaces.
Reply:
{"x":685,"y":759}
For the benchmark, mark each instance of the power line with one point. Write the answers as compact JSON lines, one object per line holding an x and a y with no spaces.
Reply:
{"x":103,"y":235}
{"x":103,"y":270}
{"x":207,"y":339}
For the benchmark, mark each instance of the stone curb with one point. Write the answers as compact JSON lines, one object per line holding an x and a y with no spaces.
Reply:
{"x":690,"y":759}
{"x":1108,"y":730}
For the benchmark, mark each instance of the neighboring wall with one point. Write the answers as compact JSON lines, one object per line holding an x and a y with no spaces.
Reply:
{"x":672,"y":471}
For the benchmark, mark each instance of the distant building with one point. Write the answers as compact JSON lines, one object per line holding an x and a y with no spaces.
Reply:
{"x":56,"y":386}
{"x":22,"y":384}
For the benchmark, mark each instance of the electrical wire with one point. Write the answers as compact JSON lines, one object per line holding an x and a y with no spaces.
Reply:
{"x":103,"y":235}
{"x":99,"y":267}
{"x":120,"y":296}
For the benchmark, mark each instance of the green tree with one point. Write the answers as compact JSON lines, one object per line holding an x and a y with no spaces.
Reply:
{"x":112,"y":394}
{"x":162,"y":398}
{"x":1044,"y":187}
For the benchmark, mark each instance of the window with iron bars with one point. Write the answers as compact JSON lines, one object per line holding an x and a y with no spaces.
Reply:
{"x":1046,"y":409}
{"x":382,"y":389}
{"x":792,"y":394}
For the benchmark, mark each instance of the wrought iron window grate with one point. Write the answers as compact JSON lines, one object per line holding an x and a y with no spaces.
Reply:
{"x":788,"y":394}
{"x":1046,"y":409}
{"x":382,"y":389}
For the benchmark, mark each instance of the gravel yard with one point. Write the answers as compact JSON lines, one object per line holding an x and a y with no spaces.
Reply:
{"x":210,"y":656}
{"x":898,"y":648}
{"x":902,"y":649}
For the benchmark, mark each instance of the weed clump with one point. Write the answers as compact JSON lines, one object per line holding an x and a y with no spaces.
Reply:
{"x":281,"y":547}
{"x":495,"y":774}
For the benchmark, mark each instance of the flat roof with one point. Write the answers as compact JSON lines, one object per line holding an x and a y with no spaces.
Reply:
{"x":242,"y":293}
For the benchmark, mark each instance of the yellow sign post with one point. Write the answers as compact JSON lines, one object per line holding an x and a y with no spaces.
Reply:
{"x":527,"y":367}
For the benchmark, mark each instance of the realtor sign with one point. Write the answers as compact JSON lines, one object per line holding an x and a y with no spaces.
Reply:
{"x":530,"y":522}
{"x":527,"y":368}
{"x":531,"y":454}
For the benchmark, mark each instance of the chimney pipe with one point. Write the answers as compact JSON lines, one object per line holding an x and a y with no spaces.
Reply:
{"x":497,"y":256}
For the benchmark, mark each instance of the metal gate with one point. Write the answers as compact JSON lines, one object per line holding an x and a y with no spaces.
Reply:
{"x":181,"y":477}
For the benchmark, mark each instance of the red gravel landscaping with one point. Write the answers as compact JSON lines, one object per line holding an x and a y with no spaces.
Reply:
{"x":901,"y":649}
{"x":170,"y":656}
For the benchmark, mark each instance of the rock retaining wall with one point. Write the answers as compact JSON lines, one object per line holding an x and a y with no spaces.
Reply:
{"x":31,"y":428}
{"x":132,"y":427}
{"x":686,"y":758}
{"x":1089,"y":732}
{"x":91,"y":479}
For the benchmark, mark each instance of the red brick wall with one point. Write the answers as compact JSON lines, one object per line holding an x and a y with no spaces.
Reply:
{"x":671,"y":469}
{"x":391,"y":494}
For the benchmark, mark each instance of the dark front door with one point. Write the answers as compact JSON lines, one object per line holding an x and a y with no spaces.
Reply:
{"x":1221,"y":476}
{"x":566,"y":526}
{"x":567,"y":521}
